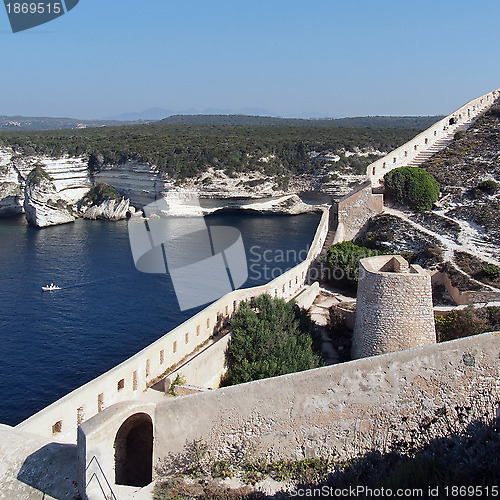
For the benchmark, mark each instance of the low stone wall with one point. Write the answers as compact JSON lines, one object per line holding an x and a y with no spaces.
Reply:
{"x":307,"y":296}
{"x":348,"y":313}
{"x":465,"y":297}
{"x":407,"y":152}
{"x":338,"y":411}
{"x":124,"y":382}
{"x":34,"y":468}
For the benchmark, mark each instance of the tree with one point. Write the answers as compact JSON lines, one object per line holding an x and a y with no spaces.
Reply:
{"x":269,"y":337}
{"x":343,"y":259}
{"x":412,"y":186}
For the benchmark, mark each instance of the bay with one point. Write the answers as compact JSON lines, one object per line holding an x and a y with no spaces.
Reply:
{"x":106,"y":311}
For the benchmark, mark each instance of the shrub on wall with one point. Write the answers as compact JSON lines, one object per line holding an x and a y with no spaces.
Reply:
{"x":269,"y":337}
{"x":412,"y":186}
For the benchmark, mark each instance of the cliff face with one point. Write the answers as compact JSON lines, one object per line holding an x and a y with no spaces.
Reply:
{"x":70,"y":178}
{"x":11,"y":191}
{"x":42,"y":205}
{"x":11,"y":196}
{"x":139,"y":185}
{"x":136,"y":181}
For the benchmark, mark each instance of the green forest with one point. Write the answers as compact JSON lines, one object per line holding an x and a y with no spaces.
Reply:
{"x":182,"y":150}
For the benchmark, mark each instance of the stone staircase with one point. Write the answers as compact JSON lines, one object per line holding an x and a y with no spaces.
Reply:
{"x":328,"y":242}
{"x":439,"y":145}
{"x":432,"y":140}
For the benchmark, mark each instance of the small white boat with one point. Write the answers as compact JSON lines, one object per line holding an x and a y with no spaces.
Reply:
{"x":50,"y":288}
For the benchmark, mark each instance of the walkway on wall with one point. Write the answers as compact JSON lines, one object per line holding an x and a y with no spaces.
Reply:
{"x":315,"y":269}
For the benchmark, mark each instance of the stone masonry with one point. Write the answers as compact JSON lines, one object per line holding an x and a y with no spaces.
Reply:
{"x":394,"y":309}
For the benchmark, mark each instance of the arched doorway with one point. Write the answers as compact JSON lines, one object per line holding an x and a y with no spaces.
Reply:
{"x":134,"y":451}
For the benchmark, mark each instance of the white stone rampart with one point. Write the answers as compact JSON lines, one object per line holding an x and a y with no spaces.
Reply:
{"x":394,"y":307}
{"x":127,"y":380}
{"x":432,"y":140}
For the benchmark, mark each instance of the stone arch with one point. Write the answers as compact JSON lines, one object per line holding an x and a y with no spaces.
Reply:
{"x":134,"y":451}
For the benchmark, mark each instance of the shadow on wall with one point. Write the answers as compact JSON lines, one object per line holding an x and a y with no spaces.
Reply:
{"x":52,"y":470}
{"x":443,"y":461}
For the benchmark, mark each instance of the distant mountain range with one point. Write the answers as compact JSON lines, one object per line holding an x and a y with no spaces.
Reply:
{"x":18,"y":123}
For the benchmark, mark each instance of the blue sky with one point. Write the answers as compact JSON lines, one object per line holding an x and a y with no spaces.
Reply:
{"x":349,"y":58}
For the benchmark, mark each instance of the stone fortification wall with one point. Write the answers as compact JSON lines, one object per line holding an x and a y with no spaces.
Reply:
{"x":124,"y":382}
{"x":464,"y":297}
{"x":432,"y":137}
{"x":355,"y":209}
{"x":394,"y":307}
{"x":338,"y":411}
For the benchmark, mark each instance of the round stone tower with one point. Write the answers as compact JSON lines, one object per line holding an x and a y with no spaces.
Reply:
{"x":394,"y":307}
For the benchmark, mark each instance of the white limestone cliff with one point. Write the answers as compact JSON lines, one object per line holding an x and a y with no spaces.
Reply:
{"x":42,"y":205}
{"x":141,"y":184}
{"x":283,"y":205}
{"x":11,"y":198}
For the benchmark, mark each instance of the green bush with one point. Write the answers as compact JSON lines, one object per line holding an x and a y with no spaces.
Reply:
{"x":490,"y":186}
{"x":38,"y":175}
{"x":491,"y":271}
{"x":463,"y":323}
{"x":343,"y":259}
{"x":100,"y":193}
{"x":412,"y":186}
{"x":269,"y":337}
{"x":494,"y":111}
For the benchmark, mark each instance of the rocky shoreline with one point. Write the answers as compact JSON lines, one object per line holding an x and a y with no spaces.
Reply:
{"x":58,"y":191}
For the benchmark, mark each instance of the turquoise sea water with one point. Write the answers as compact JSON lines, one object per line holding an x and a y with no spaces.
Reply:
{"x":106,"y":311}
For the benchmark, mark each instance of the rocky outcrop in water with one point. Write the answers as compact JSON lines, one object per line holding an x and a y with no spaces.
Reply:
{"x":109,"y":210}
{"x":284,"y":205}
{"x":103,"y":202}
{"x":42,"y":204}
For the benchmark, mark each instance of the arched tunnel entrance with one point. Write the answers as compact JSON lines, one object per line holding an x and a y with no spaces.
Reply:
{"x":134,"y":451}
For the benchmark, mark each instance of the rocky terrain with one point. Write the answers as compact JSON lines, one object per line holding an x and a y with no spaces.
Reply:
{"x":392,"y":234}
{"x":53,"y":191}
{"x":467,"y":171}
